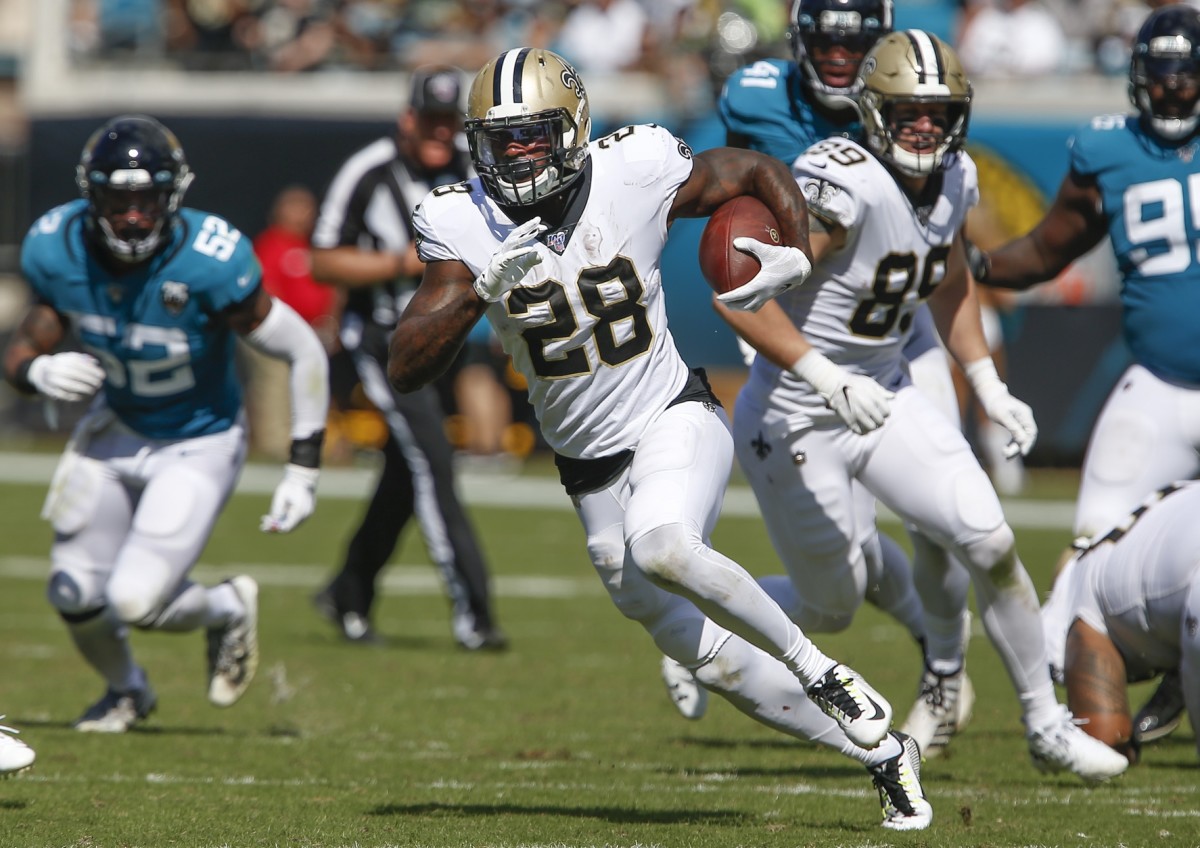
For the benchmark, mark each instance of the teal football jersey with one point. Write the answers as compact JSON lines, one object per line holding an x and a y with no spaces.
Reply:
{"x":167,"y":355}
{"x":1151,"y":198}
{"x":764,"y":103}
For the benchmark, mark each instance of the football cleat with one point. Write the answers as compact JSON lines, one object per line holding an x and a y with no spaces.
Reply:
{"x":943,"y":708}
{"x":863,"y":714}
{"x":117,"y":712}
{"x":233,"y":649}
{"x":1162,"y":713}
{"x":686,"y":693}
{"x":15,"y":755}
{"x":898,"y":780}
{"x":354,"y":627}
{"x":470,"y":636}
{"x":1062,"y":746}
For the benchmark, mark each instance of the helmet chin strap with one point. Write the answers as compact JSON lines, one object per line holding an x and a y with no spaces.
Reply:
{"x":914,"y":164}
{"x":526,"y":191}
{"x":1173,"y":129}
{"x":130,"y":252}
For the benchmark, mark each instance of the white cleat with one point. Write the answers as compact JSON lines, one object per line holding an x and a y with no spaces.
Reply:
{"x":15,"y":755}
{"x":233,"y":649}
{"x":863,"y":714}
{"x":688,"y":696}
{"x":901,"y":795}
{"x":943,"y":708}
{"x":1062,"y":746}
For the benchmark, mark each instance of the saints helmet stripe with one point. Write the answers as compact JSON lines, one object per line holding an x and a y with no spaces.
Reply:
{"x":506,"y":78}
{"x":931,"y":69}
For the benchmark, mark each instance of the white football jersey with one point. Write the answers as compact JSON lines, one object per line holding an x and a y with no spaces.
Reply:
{"x":588,"y":326}
{"x":857,"y":308}
{"x":1132,"y":584}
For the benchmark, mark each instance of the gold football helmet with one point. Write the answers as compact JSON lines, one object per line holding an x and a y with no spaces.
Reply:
{"x":913,"y":66}
{"x":528,"y":126}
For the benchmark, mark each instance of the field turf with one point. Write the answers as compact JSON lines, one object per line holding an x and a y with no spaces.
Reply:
{"x":565,"y":740}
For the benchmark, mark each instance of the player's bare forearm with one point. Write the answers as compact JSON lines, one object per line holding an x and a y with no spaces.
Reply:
{"x":353,"y":268}
{"x":769,"y":331}
{"x":41,"y":331}
{"x":1020,"y":264}
{"x":1073,"y":226}
{"x":723,"y":173}
{"x":431,"y":331}
{"x":955,"y":310}
{"x":1096,"y":688}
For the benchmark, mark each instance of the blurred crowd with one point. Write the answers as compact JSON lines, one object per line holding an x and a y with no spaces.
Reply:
{"x":681,"y":40}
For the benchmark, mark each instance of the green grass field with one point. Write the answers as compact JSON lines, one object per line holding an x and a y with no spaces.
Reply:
{"x":565,"y":740}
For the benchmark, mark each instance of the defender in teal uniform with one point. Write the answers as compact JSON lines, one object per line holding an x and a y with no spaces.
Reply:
{"x":1134,"y":178}
{"x":154,"y":295}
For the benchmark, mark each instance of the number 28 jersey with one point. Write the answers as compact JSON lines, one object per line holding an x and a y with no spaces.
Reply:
{"x":587,"y":328}
{"x":857,"y":307}
{"x":168,"y":357}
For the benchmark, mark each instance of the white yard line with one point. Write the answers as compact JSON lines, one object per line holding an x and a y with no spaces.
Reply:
{"x":513,"y":492}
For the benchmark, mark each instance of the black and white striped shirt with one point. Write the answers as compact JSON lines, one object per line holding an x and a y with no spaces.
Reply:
{"x":369,"y":204}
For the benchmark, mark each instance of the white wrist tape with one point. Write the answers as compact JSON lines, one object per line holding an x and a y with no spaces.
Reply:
{"x":820,"y":372}
{"x":982,"y":375}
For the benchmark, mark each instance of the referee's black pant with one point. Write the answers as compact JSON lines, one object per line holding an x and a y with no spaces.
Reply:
{"x":417,"y":479}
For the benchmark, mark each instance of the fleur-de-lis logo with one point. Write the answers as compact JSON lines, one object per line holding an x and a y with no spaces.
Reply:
{"x":572,"y":81}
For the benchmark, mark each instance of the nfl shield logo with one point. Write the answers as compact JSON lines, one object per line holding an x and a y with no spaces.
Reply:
{"x":174,"y":296}
{"x":557,"y":242}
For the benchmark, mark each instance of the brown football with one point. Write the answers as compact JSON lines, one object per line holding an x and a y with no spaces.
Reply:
{"x":723,"y":265}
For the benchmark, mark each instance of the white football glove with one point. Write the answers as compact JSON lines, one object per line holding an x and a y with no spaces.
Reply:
{"x":1013,"y":415}
{"x":66,"y":376}
{"x":511,"y":263}
{"x":294,"y":500}
{"x":782,"y":268}
{"x":857,"y":399}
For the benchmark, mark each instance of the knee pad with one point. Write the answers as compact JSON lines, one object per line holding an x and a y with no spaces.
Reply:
{"x":664,"y":554}
{"x":991,"y":552}
{"x":136,"y":610}
{"x":634,"y":596}
{"x":72,"y":597}
{"x":138,"y":593}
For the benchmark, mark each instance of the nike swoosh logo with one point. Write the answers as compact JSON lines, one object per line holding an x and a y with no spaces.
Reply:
{"x":878,"y":709}
{"x":244,"y":280}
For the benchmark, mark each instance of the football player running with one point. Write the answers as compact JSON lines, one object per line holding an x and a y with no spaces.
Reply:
{"x":1133,"y":178}
{"x":155,"y":293}
{"x":781,"y":108}
{"x":1124,"y":609}
{"x":887,"y":223}
{"x":559,"y":240}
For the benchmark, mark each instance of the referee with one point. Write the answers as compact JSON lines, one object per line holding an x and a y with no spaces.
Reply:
{"x":363,"y":243}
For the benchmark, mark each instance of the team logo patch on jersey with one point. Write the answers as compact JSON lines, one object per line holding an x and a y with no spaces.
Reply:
{"x":684,"y":150}
{"x":557,"y":240}
{"x":819,"y":193}
{"x":174,"y":296}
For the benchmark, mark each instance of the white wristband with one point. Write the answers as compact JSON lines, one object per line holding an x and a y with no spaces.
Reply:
{"x":981,"y":374}
{"x":819,"y":371}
